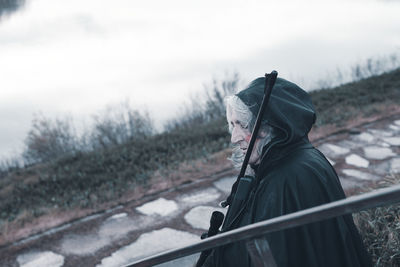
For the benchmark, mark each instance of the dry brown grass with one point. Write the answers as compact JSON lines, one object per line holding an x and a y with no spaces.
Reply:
{"x":380,"y":229}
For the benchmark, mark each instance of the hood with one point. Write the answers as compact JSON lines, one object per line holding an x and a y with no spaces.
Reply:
{"x":289,"y":110}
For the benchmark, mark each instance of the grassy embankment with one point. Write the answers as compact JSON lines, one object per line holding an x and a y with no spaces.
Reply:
{"x":96,"y":180}
{"x":380,"y":228}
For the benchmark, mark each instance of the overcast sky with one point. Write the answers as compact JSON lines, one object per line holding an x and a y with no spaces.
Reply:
{"x":75,"y":57}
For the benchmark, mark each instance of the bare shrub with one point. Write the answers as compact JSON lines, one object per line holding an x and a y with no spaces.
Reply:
{"x":362,"y":70}
{"x":374,"y":67}
{"x":336,"y":77}
{"x":9,"y":164}
{"x":49,"y":139}
{"x":207,"y":106}
{"x":119,"y":124}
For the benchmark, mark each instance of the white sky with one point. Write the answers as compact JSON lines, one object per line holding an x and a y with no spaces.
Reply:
{"x":75,"y":57}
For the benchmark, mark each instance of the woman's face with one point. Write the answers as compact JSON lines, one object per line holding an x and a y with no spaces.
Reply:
{"x":241,"y":135}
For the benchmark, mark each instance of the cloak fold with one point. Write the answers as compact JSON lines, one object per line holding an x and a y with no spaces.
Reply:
{"x":292,"y":176}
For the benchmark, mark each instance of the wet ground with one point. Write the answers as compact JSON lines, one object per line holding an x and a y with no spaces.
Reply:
{"x":177,"y":217}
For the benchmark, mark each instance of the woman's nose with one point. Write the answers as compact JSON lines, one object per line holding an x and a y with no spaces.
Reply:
{"x":236,"y":136}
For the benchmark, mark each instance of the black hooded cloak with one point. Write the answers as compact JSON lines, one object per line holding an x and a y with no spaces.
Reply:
{"x":292,"y":176}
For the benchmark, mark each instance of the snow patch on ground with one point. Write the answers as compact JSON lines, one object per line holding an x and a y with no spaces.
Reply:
{"x":364,"y":137}
{"x":394,"y":127}
{"x":118,"y":216}
{"x":199,"y":217}
{"x":333,"y":151}
{"x":357,"y":161}
{"x":394,"y":141}
{"x":375,"y":152}
{"x":203,"y":196}
{"x":42,"y":259}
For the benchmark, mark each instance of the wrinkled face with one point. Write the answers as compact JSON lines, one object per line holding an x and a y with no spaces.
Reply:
{"x":240,"y":135}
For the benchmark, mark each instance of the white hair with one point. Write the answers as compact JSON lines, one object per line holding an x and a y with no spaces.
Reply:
{"x":247,"y":120}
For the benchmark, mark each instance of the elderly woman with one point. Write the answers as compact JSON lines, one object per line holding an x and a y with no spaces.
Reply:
{"x":286,"y":174}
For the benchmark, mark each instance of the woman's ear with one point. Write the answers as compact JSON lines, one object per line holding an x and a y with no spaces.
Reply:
{"x":262,"y":133}
{"x":265,"y":130}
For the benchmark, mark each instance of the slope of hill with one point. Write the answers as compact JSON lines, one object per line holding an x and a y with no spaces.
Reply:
{"x":46,"y":195}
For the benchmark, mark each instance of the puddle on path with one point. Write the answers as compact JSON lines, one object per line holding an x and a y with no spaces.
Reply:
{"x":148,"y":244}
{"x":117,"y":227}
{"x":83,"y":244}
{"x":225,"y":184}
{"x":113,"y":228}
{"x":199,"y":217}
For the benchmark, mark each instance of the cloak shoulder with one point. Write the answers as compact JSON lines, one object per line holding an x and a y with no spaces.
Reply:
{"x":301,"y":180}
{"x":305,"y":179}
